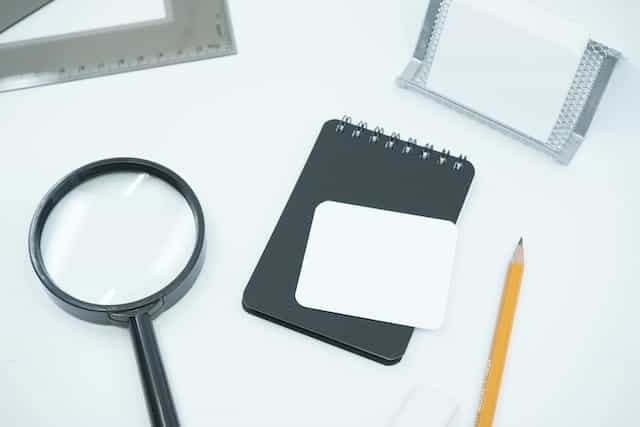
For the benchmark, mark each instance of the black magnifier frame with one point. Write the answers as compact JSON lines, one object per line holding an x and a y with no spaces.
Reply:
{"x":136,"y":315}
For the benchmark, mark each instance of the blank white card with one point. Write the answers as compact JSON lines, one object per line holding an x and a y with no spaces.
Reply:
{"x":376,"y":264}
{"x":508,"y":61}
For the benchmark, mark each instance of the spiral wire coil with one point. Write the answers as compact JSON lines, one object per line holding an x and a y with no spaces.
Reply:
{"x":410,"y":146}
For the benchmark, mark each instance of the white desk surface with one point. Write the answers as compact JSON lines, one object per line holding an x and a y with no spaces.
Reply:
{"x":239,"y":130}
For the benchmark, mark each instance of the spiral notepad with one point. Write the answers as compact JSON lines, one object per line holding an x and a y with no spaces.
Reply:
{"x":352,"y":164}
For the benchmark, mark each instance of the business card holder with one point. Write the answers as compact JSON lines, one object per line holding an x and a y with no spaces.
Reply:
{"x":571,"y":113}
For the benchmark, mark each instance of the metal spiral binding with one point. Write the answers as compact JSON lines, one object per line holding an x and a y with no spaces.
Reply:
{"x":395,"y":136}
{"x":360,"y":128}
{"x":377,"y":134}
{"x":425,"y":152}
{"x":409,"y":147}
{"x":457,"y":165}
{"x":346,"y":120}
{"x":444,"y":157}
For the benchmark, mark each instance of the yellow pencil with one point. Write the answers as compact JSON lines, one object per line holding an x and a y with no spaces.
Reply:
{"x":495,"y":366}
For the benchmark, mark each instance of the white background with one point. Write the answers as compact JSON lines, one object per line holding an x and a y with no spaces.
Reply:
{"x":239,"y":130}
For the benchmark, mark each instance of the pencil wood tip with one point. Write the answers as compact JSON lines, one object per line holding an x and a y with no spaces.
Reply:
{"x":518,"y":254}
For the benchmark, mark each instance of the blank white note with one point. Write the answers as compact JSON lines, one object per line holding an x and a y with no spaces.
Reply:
{"x":508,"y":61}
{"x":376,"y":264}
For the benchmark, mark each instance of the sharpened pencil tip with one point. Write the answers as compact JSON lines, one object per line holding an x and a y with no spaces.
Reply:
{"x":518,"y":254}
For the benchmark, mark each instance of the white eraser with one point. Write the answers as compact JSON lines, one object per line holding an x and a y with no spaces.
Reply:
{"x":425,"y":407}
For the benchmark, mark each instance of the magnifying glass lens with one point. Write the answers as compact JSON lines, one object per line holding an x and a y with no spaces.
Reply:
{"x":118,"y":238}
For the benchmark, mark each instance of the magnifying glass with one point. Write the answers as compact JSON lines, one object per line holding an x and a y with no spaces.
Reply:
{"x":118,"y":242}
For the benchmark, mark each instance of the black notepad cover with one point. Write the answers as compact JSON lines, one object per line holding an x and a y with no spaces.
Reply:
{"x":347,"y":166}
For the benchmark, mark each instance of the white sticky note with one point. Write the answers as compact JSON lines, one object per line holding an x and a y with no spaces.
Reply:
{"x":508,"y":61}
{"x":377,"y":264}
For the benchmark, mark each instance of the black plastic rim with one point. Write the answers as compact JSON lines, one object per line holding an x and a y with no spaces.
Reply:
{"x":155,"y":303}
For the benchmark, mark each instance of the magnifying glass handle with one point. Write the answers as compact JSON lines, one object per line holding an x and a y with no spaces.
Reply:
{"x":159,"y":401}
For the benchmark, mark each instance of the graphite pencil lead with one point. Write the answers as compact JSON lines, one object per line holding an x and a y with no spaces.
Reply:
{"x":518,"y":254}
